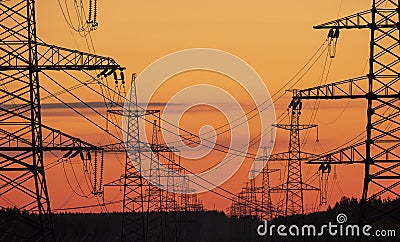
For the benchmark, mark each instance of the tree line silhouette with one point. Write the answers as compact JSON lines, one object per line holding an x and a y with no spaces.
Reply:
{"x":199,"y":226}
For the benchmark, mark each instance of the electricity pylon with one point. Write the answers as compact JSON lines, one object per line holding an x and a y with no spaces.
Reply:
{"x":134,"y":184}
{"x":247,"y":200}
{"x":266,"y":200}
{"x":379,"y":152}
{"x":255,"y":199}
{"x":142,"y":196}
{"x":24,"y":139}
{"x":294,"y":185}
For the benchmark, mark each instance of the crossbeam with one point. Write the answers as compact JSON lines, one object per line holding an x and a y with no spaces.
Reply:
{"x":14,"y":56}
{"x":363,"y":20}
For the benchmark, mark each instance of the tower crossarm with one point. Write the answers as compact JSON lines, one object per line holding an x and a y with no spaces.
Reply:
{"x":138,"y":113}
{"x":291,"y":126}
{"x":284,"y":156}
{"x":53,"y":140}
{"x":348,"y":155}
{"x":14,"y":56}
{"x":162,"y":148}
{"x":298,"y":187}
{"x":356,"y":153}
{"x":349,"y":89}
{"x":120,"y":147}
{"x":114,"y":148}
{"x":363,"y":20}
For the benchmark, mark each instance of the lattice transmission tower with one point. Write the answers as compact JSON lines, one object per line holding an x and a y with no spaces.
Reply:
{"x":294,"y":185}
{"x":134,"y":221}
{"x":255,"y":198}
{"x":266,"y":200}
{"x":24,"y":140}
{"x":146,"y":200}
{"x":379,"y":151}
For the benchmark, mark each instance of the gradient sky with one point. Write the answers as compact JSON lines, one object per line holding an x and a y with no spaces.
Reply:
{"x":275,"y":37}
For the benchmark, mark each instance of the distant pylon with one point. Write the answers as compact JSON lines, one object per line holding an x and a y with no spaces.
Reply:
{"x":255,"y":199}
{"x":142,"y":197}
{"x":134,"y":185}
{"x":154,"y":194}
{"x":294,"y":185}
{"x":133,"y":221}
{"x":266,"y":201}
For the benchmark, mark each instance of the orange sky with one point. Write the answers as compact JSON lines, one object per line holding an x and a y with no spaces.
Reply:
{"x":275,"y":37}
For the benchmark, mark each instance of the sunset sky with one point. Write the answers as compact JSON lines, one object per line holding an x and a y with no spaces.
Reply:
{"x":276,"y":38}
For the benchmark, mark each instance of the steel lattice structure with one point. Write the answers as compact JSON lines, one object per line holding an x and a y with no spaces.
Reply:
{"x":248,"y":201}
{"x":255,"y":200}
{"x":380,"y":151}
{"x":294,"y":185}
{"x":23,"y":137}
{"x":145,"y":202}
{"x":266,"y":200}
{"x":134,"y":185}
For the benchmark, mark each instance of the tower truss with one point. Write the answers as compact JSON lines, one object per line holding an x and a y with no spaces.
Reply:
{"x":294,"y":185}
{"x":24,"y":139}
{"x":146,"y":201}
{"x":379,"y":152}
